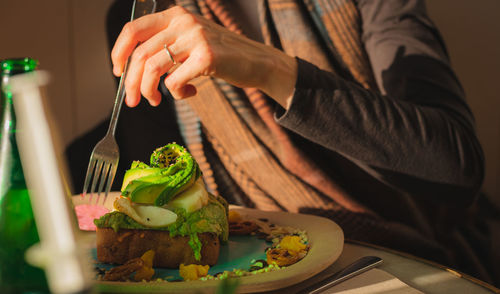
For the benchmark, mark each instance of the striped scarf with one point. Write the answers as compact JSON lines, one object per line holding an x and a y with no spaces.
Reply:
{"x":235,"y":139}
{"x":255,"y":159}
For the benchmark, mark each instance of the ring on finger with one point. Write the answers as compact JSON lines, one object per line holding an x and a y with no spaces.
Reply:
{"x":169,"y":54}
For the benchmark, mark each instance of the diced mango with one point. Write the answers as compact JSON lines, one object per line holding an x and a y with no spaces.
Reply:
{"x":148,"y":258}
{"x":146,"y":272}
{"x":193,"y":272}
{"x":292,"y":243}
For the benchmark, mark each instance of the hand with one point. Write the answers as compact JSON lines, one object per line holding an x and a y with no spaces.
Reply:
{"x":202,"y":48}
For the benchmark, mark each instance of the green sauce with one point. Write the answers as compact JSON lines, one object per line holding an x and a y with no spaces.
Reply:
{"x":211,"y":218}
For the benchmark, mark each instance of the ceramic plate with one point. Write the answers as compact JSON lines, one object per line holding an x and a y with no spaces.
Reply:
{"x":326,"y":241}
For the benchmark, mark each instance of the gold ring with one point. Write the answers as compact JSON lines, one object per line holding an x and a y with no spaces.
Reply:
{"x":169,"y":54}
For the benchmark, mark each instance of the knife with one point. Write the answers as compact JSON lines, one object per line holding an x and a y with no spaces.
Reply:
{"x":359,"y":266}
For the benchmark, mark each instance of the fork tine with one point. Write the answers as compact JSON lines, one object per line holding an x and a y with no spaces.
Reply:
{"x":97,"y":174}
{"x":104,"y":174}
{"x":88,"y":176}
{"x":100,"y":200}
{"x":111,"y":177}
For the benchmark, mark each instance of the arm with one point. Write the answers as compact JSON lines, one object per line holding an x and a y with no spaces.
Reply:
{"x":415,"y":134}
{"x":202,"y":48}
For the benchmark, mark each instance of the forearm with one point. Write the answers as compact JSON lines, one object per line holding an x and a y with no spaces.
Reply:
{"x":414,"y":132}
{"x":258,"y":66}
{"x":389,"y":137}
{"x":281,"y":75}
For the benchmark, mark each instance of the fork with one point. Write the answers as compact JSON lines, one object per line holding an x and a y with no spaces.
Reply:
{"x":358,"y":267}
{"x":106,"y":154}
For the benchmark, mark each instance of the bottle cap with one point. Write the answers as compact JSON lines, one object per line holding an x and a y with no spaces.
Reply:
{"x":18,"y":65}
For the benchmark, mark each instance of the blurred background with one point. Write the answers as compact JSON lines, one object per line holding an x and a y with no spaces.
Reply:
{"x":68,"y":37}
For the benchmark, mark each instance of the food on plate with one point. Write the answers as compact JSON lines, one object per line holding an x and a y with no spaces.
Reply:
{"x":86,"y":213}
{"x":193,"y":272}
{"x":242,"y":227}
{"x":285,"y":246}
{"x":164,"y":207}
{"x":141,"y":268}
{"x":146,"y":272}
{"x":288,"y":246}
{"x":289,"y":250}
{"x":292,"y":243}
{"x":166,"y":218}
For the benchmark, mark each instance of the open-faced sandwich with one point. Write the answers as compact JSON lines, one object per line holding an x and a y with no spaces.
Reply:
{"x":164,"y":207}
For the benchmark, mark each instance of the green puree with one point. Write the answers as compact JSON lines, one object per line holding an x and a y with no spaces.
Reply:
{"x":211,"y":218}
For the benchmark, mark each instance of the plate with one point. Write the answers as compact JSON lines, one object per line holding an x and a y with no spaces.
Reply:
{"x":326,"y":241}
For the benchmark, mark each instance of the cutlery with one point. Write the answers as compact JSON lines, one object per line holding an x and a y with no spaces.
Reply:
{"x":106,"y":154}
{"x":359,"y":266}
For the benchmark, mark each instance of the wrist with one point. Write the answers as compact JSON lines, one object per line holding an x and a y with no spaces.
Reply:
{"x":280,"y":77}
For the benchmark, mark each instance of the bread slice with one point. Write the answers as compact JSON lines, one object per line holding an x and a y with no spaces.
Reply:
{"x":119,"y":247}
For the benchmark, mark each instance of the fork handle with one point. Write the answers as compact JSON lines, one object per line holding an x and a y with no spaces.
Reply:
{"x":138,"y":9}
{"x":120,"y":95}
{"x":359,"y":266}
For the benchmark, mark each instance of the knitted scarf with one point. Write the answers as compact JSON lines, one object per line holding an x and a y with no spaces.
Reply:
{"x":254,"y":152}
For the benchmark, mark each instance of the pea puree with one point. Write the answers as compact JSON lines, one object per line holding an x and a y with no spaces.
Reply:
{"x":211,"y":218}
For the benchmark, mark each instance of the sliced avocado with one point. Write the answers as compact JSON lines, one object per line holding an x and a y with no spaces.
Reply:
{"x":140,"y":183}
{"x":172,"y":171}
{"x":136,"y":173}
{"x":159,"y":189}
{"x":147,"y":193}
{"x":168,"y":155}
{"x":180,"y":182}
{"x":192,"y":199}
{"x":138,"y":164}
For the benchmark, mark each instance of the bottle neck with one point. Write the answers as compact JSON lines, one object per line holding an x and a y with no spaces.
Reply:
{"x":9,"y":68}
{"x":7,"y":118}
{"x":10,"y":165}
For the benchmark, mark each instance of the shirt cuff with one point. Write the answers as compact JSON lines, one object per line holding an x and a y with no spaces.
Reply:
{"x":307,"y":81}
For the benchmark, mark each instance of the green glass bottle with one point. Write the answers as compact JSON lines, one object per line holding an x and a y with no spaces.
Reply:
{"x":17,"y":225}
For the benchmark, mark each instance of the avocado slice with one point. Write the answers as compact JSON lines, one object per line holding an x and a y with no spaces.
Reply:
{"x":146,"y":196}
{"x":137,"y":173}
{"x":175,"y":170}
{"x":180,"y":182}
{"x":160,"y":189}
{"x":192,"y":199}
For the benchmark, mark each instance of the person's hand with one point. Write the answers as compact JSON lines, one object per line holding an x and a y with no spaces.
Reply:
{"x":202,"y":48}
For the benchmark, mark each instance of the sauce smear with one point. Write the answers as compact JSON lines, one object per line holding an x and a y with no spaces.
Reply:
{"x":86,"y":214}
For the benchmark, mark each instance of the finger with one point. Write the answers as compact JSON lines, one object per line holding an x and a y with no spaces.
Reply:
{"x":187,"y":91}
{"x":179,"y":50}
{"x":132,"y":88}
{"x":154,"y":68}
{"x":138,"y":31}
{"x":151,"y":47}
{"x":137,"y":63}
{"x":196,"y":64}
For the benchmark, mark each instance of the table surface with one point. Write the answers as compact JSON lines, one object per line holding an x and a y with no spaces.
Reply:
{"x":419,"y":274}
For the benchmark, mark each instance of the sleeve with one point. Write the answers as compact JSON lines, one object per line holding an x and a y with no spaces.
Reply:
{"x":416,"y":132}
